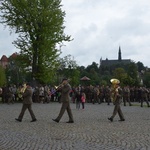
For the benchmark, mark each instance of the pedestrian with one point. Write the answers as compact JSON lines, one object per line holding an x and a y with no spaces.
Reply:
{"x":78,"y":99}
{"x":41,"y":93}
{"x":117,"y":99}
{"x":27,"y":104}
{"x":83,"y":99}
{"x":65,"y":89}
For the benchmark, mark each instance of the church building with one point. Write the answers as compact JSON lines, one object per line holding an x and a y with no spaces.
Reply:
{"x":108,"y":63}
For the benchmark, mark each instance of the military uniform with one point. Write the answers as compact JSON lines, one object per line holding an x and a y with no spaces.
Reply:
{"x":126,"y":95}
{"x":144,"y":96}
{"x":117,"y":101}
{"x":108,"y":95}
{"x":65,"y":99}
{"x":27,"y":104}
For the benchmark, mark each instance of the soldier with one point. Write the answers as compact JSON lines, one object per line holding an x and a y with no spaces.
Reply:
{"x":46,"y":94}
{"x":132,"y":94}
{"x":144,"y":94}
{"x":27,"y":103}
{"x":10,"y":95}
{"x":65,"y":89}
{"x":96,"y":95}
{"x":126,"y":95}
{"x":102,"y":94}
{"x":137,"y":94}
{"x":108,"y":95}
{"x":117,"y":99}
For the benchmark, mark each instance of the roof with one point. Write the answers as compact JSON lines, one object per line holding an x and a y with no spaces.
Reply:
{"x":114,"y":62}
{"x":4,"y":58}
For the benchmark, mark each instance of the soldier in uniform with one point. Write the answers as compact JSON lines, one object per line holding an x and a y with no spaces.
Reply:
{"x":102,"y":94}
{"x":96,"y":95}
{"x":10,"y":95}
{"x":126,"y":95}
{"x":27,"y":103}
{"x":117,"y":99}
{"x":46,"y":94}
{"x":65,"y":89}
{"x":108,"y":95}
{"x":144,"y":96}
{"x":132,"y":94}
{"x":137,"y":94}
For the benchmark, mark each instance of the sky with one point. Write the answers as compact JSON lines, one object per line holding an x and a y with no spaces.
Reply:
{"x":98,"y":28}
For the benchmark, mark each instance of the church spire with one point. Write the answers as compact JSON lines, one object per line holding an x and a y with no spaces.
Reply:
{"x":119,"y":54}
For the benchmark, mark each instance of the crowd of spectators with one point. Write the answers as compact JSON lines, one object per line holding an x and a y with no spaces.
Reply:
{"x":94,"y":94}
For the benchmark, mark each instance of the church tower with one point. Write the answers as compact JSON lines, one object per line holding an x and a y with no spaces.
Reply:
{"x":119,"y":54}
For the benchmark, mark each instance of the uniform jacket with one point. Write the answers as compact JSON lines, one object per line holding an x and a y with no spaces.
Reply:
{"x":65,"y":93}
{"x":27,"y":95}
{"x":118,"y":97}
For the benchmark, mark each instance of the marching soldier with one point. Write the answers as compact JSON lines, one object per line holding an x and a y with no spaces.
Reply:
{"x":108,"y":95}
{"x":96,"y":95}
{"x":144,"y":96}
{"x":117,"y":99}
{"x":65,"y":89}
{"x":126,"y":95}
{"x":27,"y":93}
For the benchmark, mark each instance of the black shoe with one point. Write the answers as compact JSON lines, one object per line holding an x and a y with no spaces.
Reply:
{"x":70,"y":122}
{"x":33,"y":120}
{"x":122,"y":120}
{"x":111,"y":119}
{"x":18,"y":119}
{"x":56,"y":120}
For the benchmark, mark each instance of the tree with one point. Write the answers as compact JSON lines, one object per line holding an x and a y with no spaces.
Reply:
{"x":146,"y":79}
{"x":140,"y":66}
{"x":2,"y":76}
{"x":132,"y":72}
{"x":69,"y":68}
{"x":40,"y":29}
{"x":120,"y":74}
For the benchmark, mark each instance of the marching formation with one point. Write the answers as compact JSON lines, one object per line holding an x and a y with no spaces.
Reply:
{"x":64,"y":94}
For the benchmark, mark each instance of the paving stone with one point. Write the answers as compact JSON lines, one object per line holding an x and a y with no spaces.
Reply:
{"x":91,"y":130}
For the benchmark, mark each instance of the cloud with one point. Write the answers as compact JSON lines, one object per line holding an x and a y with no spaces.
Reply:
{"x":99,"y":27}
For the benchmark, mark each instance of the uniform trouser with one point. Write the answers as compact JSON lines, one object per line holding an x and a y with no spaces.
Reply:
{"x":108,"y":99}
{"x":65,"y":106}
{"x":117,"y":109}
{"x":146,"y":100}
{"x":24,"y":107}
{"x":126,"y":99}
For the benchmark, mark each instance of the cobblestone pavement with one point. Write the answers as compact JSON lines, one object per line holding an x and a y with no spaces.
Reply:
{"x":91,"y":130}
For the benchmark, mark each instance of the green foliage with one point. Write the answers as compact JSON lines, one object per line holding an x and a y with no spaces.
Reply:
{"x":39,"y":24}
{"x":119,"y":73}
{"x":2,"y":77}
{"x":146,"y":79}
{"x":68,"y":69}
{"x":140,"y":66}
